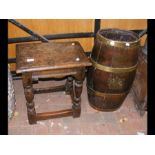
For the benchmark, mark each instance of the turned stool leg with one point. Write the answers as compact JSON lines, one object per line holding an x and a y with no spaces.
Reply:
{"x":29,"y":95}
{"x":69,"y":85}
{"x":77,"y":93}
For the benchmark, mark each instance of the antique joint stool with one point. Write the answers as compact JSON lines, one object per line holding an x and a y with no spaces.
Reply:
{"x":52,"y":60}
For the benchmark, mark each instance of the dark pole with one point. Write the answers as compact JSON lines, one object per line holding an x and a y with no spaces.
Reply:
{"x":21,"y":26}
{"x":12,"y":60}
{"x":97,"y":26}
{"x":52,"y":37}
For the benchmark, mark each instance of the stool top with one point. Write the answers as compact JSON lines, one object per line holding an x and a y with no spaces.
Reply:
{"x":49,"y":56}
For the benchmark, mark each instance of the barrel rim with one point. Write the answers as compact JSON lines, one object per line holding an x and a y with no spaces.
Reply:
{"x":116,"y":43}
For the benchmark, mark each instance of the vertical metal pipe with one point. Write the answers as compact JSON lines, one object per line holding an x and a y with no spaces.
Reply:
{"x":97,"y":25}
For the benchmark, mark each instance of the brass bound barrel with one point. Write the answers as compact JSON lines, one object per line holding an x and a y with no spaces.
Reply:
{"x":114,"y":58}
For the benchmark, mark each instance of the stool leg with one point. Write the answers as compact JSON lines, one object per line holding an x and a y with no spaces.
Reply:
{"x":29,"y":95}
{"x":77,"y":93}
{"x":69,"y":85}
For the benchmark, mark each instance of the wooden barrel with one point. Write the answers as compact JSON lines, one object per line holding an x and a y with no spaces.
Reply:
{"x":114,"y":58}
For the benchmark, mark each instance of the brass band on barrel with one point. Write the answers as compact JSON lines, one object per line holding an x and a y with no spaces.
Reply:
{"x":101,"y":94}
{"x":112,"y":69}
{"x":114,"y":43}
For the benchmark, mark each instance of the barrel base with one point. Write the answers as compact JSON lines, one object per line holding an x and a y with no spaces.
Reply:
{"x":108,"y":104}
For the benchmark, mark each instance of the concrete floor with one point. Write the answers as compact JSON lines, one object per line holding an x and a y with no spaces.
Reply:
{"x":91,"y":121}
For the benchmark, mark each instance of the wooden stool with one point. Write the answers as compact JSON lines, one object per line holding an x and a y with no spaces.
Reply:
{"x":52,"y":60}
